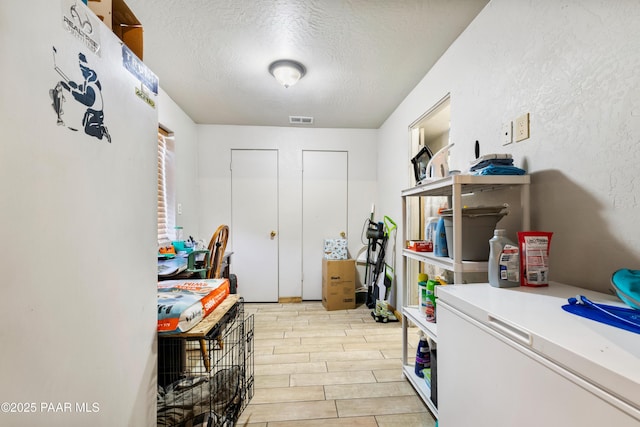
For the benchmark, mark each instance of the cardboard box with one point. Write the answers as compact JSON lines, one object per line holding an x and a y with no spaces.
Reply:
{"x":118,"y":17}
{"x":102,"y":9}
{"x":338,"y":284}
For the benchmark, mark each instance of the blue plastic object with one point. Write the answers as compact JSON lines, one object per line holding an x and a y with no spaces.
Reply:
{"x":619,"y":317}
{"x":627,"y":285}
{"x":440,"y":243}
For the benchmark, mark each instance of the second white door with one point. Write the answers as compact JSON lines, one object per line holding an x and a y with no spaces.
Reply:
{"x":324,"y":212}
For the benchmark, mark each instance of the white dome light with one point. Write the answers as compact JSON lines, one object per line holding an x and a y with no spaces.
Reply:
{"x":287,"y":72}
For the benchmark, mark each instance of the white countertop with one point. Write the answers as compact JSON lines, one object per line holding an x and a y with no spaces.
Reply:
{"x":606,"y":356}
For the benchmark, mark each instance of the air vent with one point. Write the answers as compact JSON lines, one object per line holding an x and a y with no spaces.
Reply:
{"x":300,"y":120}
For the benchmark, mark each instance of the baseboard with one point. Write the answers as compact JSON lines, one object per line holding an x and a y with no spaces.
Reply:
{"x":290,"y":300}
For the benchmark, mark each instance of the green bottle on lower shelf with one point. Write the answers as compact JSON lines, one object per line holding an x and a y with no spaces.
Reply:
{"x":430,"y":310}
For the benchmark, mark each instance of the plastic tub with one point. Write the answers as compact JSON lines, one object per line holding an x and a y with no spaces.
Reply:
{"x":476,"y":232}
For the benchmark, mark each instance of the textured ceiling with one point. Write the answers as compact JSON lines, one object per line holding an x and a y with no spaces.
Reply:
{"x":362,"y":56}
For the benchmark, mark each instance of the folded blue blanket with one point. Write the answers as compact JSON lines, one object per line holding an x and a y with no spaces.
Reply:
{"x":485,"y":163}
{"x":499,"y":170}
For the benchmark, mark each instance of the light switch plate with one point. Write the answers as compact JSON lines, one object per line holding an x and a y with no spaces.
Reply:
{"x":507,"y":137}
{"x":522,"y":127}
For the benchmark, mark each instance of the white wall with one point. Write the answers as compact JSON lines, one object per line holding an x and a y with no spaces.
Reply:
{"x":573,"y":65}
{"x":171,"y":116}
{"x":79,"y":320}
{"x":78,"y":231}
{"x":215,"y":145}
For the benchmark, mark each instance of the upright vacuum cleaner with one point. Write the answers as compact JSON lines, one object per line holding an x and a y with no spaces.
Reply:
{"x":378,"y":272}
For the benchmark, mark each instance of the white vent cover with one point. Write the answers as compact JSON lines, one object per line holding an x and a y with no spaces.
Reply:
{"x":300,"y":120}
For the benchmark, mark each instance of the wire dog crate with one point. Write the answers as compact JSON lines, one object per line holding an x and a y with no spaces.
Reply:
{"x":207,"y":381}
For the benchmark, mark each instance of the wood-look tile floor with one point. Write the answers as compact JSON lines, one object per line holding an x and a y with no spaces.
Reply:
{"x":314,"y":367}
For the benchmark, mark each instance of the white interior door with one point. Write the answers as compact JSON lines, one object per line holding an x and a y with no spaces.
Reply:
{"x":254,"y":223}
{"x":324,"y":212}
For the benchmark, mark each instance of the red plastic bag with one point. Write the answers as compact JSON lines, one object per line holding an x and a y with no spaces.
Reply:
{"x":534,"y":257}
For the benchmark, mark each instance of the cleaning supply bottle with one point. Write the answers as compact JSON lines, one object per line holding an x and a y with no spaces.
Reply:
{"x":430,"y":310}
{"x":440,"y":239}
{"x":422,"y":291}
{"x":423,"y":356}
{"x":430,"y":232}
{"x":502,"y":265}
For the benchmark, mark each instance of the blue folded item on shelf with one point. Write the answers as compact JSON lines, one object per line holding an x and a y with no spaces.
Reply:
{"x":487,"y":157}
{"x":619,"y":317}
{"x":485,"y":163}
{"x":499,"y":170}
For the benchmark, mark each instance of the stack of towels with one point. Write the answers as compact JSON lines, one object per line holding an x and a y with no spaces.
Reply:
{"x":495,"y":164}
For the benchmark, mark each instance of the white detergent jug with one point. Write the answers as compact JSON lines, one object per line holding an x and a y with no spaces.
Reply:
{"x":504,"y":262}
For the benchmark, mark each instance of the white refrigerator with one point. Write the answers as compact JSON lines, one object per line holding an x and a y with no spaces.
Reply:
{"x":78,"y":186}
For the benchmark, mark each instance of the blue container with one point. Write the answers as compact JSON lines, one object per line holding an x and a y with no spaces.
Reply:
{"x":440,"y":242}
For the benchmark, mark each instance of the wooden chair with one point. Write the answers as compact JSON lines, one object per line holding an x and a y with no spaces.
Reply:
{"x":217,"y":246}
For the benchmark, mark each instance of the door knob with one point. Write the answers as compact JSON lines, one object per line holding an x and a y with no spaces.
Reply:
{"x":273,"y":234}
{"x":343,"y":234}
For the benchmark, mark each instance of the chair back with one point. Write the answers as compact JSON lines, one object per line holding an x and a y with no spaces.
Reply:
{"x":217,"y":246}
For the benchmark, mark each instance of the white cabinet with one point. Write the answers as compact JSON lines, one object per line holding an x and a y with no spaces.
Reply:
{"x":453,"y":187}
{"x":514,"y":357}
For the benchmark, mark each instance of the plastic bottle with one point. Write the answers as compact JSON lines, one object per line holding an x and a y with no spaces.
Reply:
{"x":440,"y":242}
{"x":430,"y":310}
{"x":179,"y":234}
{"x":430,"y":232}
{"x":422,"y":291}
{"x":498,"y":263}
{"x":423,"y":357}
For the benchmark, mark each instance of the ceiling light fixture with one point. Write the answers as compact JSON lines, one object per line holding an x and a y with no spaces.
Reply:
{"x":287,"y":72}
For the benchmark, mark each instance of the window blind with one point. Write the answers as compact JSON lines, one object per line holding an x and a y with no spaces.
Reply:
{"x":166,"y":212}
